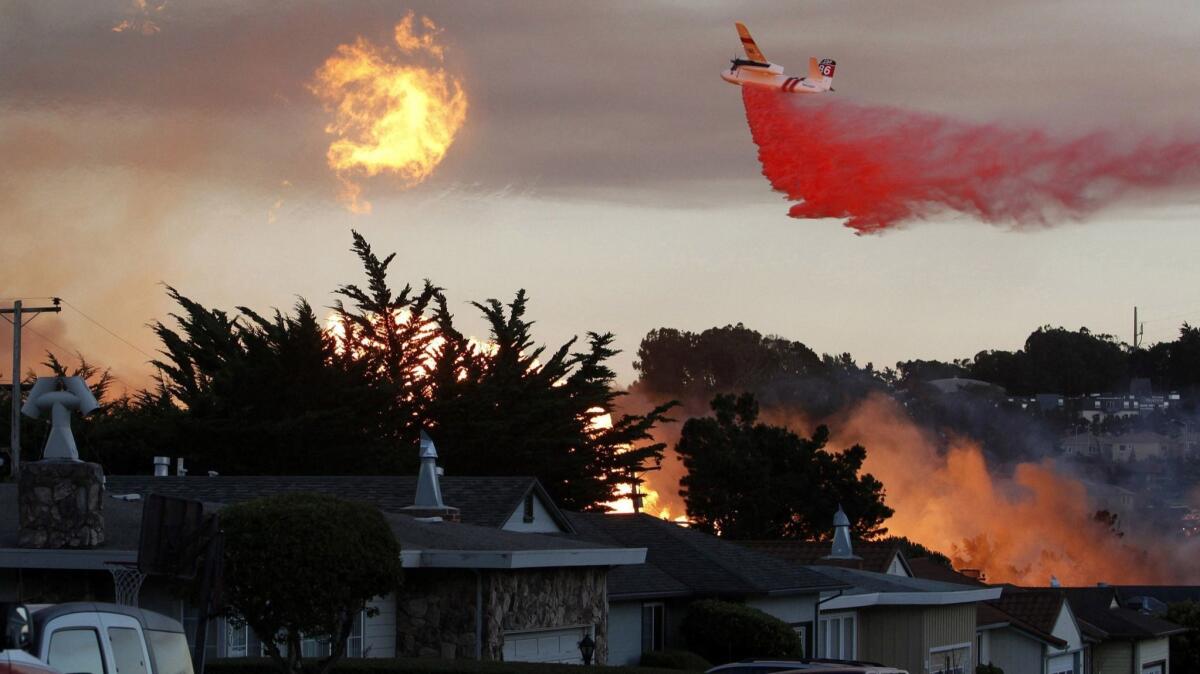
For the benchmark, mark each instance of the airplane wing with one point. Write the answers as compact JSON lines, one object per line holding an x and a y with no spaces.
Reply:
{"x":752,"y":50}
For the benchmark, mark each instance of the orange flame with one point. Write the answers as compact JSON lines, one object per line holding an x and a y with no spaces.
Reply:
{"x":389,"y":116}
{"x":140,"y":19}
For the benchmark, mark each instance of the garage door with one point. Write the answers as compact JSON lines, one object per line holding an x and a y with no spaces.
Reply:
{"x":544,"y":646}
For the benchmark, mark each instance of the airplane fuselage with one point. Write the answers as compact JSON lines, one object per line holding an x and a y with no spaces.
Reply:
{"x":772,"y":79}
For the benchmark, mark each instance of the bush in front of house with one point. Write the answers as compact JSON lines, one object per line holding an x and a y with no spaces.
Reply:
{"x":988,"y":669}
{"x":675,"y":659}
{"x":726,"y":632}
{"x":303,"y":565}
{"x":421,"y":666}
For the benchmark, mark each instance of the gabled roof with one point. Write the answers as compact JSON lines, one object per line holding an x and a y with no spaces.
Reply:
{"x":989,"y":616}
{"x":1038,"y":608}
{"x":872,"y":556}
{"x":483,"y":501}
{"x":682,"y":562}
{"x":1106,"y":619}
{"x":868,"y":588}
{"x":424,"y":542}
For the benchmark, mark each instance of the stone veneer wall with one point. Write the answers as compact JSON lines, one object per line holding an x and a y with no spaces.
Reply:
{"x":435,"y":609}
{"x":61,"y":504}
{"x":545,"y":598}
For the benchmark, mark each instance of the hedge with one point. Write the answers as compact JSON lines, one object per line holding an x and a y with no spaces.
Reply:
{"x":420,"y":666}
{"x":725,"y":632}
{"x":669,"y":659}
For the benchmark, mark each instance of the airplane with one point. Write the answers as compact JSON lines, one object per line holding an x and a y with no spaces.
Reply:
{"x":756,"y":70}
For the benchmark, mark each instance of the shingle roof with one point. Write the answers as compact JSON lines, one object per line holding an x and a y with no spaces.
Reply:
{"x":925,"y":567}
{"x":987,"y":614}
{"x":870,"y":582}
{"x":1094,"y":606}
{"x":484,"y":501}
{"x":1037,"y":606}
{"x":684,"y":562}
{"x":123,"y":527}
{"x":872,"y":556}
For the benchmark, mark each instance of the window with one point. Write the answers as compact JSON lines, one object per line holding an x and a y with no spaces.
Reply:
{"x":653,"y":627}
{"x":950,"y":659}
{"x":171,"y":653}
{"x":836,"y":637}
{"x":237,"y":641}
{"x":354,"y":645}
{"x":127,"y":650}
{"x":76,"y":651}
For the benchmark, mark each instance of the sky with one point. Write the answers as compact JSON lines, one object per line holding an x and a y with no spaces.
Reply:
{"x":603,"y":166}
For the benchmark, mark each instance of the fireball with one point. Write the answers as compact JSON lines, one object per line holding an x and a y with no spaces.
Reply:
{"x":395,"y":110}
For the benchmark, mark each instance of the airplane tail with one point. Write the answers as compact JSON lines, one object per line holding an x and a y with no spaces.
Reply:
{"x":822,"y":72}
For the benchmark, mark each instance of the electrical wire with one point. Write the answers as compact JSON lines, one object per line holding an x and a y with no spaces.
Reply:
{"x":104,"y":328}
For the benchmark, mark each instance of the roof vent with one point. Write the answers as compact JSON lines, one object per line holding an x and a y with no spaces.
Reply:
{"x":841,"y":537}
{"x":428,"y":500}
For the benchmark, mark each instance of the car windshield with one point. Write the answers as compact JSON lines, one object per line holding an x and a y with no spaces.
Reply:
{"x":170,"y":652}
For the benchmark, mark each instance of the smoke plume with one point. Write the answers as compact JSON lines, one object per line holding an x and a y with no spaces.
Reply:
{"x":882,"y":166}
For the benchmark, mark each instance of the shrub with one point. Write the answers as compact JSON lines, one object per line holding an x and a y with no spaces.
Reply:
{"x":305,"y":564}
{"x":685,"y":660}
{"x":724,"y":632}
{"x":988,"y":669}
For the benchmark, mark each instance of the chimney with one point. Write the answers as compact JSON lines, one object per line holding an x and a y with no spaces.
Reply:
{"x":428,"y":500}
{"x":841,"y":537}
{"x":162,"y":466}
{"x":179,"y":469}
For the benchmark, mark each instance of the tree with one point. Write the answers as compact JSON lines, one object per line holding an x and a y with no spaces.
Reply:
{"x":303,"y":566}
{"x":723,"y":631}
{"x":1185,"y":648}
{"x":1056,"y":360}
{"x":750,"y":480}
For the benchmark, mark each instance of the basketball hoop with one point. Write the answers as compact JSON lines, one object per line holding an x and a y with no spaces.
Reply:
{"x":127,"y":582}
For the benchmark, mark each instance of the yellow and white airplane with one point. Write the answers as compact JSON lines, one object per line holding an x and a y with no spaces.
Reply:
{"x":756,"y":70}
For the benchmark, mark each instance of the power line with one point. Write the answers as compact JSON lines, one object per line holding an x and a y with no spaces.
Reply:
{"x":102,"y":327}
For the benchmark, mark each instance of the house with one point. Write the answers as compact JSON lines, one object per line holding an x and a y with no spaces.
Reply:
{"x":647,"y":602}
{"x":497,"y":575}
{"x":1137,"y":446}
{"x":1125,"y":641}
{"x":1084,"y":445}
{"x":912,"y":623}
{"x":1030,"y":630}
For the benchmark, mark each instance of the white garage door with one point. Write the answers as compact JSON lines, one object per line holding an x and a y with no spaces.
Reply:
{"x":544,"y":646}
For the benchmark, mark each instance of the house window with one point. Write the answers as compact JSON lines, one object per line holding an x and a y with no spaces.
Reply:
{"x":529,"y":507}
{"x":237,"y":641}
{"x":314,"y":648}
{"x":653,"y":626}
{"x":836,"y":637}
{"x":950,"y":659}
{"x":354,"y":644}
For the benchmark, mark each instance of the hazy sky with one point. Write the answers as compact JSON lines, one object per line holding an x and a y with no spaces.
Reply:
{"x":603,"y":166}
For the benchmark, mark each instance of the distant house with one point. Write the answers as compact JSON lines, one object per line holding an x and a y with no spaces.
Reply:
{"x":1137,"y":446}
{"x":1124,"y":641}
{"x":497,"y":575}
{"x":1030,"y":630}
{"x":1083,"y":445}
{"x":647,"y":602}
{"x":889,"y":617}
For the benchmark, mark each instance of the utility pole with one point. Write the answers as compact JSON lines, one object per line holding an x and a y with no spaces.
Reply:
{"x":1138,"y":330}
{"x":18,"y":321}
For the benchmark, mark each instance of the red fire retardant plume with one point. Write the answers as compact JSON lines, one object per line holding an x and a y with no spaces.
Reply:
{"x":881,"y":166}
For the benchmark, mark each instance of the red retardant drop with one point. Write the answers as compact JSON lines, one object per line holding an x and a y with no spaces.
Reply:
{"x":882,"y":166}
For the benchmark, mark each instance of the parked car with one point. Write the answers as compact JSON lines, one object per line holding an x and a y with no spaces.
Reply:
{"x":807,"y":666}
{"x":96,"y":638}
{"x":16,"y":635}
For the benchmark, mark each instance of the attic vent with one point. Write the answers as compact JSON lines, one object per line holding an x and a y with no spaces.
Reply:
{"x":529,"y":507}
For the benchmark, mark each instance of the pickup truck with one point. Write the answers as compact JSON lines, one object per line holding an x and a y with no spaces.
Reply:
{"x":97,"y":638}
